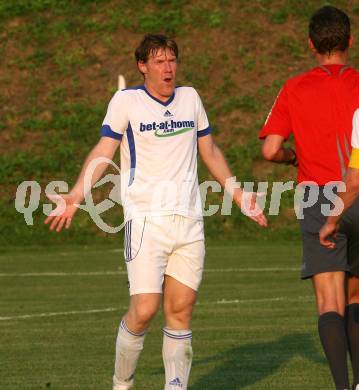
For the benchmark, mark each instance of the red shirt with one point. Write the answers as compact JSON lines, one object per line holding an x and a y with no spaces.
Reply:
{"x":318,"y":108}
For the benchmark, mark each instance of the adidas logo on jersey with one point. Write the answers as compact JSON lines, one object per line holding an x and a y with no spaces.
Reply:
{"x":167,"y":114}
{"x":176,"y":382}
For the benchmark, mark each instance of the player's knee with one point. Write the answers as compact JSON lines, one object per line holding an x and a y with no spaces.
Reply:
{"x":143,"y":311}
{"x":145,"y":314}
{"x":180,"y":309}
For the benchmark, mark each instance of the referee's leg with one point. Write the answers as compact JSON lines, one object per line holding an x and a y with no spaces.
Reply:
{"x":352,"y":323}
{"x":330,"y":296}
{"x":178,"y":302}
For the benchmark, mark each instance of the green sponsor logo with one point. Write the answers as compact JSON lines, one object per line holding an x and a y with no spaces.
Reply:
{"x":171,"y":132}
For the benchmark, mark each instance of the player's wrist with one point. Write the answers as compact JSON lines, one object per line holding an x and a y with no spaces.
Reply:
{"x":76,"y":196}
{"x":237,"y":196}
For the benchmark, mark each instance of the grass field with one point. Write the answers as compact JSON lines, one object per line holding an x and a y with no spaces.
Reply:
{"x":254,"y":325}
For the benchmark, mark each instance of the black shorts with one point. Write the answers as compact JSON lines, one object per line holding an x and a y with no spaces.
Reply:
{"x":318,"y":259}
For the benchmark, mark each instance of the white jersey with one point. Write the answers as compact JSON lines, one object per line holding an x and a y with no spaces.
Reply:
{"x":355,"y":134}
{"x":158,"y":150}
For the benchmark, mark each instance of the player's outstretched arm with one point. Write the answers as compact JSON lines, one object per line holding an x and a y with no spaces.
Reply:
{"x":347,"y":198}
{"x":67,"y":204}
{"x":217,"y":165}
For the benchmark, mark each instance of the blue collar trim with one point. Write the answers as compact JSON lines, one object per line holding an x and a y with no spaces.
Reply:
{"x":166,"y":103}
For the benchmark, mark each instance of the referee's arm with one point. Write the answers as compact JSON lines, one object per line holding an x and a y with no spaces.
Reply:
{"x":347,"y":198}
{"x":274,"y":151}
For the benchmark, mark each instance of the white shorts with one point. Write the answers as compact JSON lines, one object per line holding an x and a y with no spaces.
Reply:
{"x":163,"y":245}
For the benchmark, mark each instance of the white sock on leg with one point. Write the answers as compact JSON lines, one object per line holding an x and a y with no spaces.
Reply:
{"x":177,"y":357}
{"x":128,"y":348}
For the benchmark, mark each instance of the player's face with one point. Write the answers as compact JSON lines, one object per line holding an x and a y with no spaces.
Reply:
{"x":160,"y":73}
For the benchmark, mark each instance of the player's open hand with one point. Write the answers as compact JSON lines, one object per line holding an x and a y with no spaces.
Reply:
{"x":329,"y":230}
{"x":62,"y":215}
{"x":251,"y":209}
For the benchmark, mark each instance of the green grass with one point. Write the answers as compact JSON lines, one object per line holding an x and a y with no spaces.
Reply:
{"x":254,"y":325}
{"x":60,"y":60}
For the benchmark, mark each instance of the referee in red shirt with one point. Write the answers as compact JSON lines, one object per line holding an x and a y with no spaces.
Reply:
{"x":317,"y":107}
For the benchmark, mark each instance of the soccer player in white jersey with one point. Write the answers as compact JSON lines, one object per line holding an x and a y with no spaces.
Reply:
{"x":158,"y":127}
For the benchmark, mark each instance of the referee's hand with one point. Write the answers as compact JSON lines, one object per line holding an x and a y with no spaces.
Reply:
{"x":62,"y":215}
{"x":328,"y":231}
